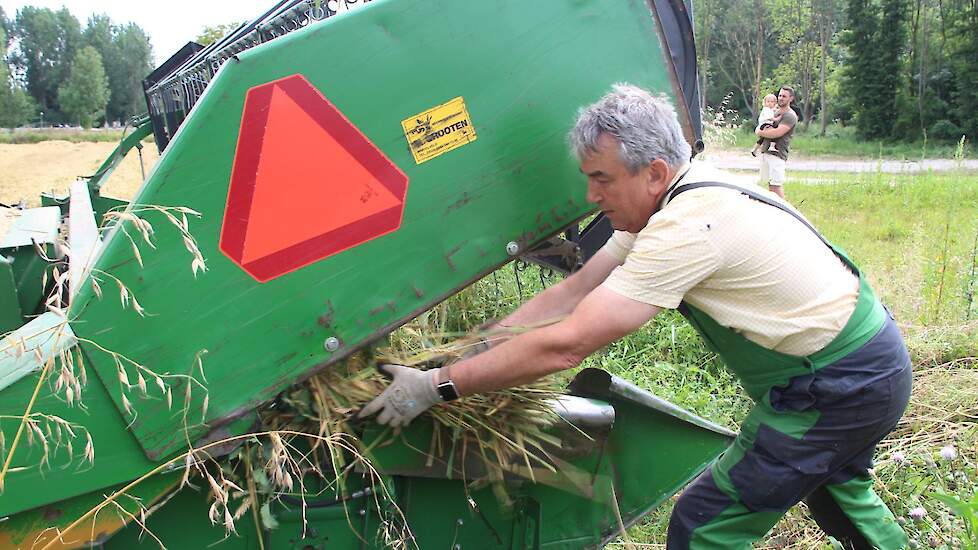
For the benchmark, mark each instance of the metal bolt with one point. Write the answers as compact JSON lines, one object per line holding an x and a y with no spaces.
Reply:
{"x":457,"y":547}
{"x":362,"y":512}
{"x":459,"y":522}
{"x":332,"y":343}
{"x":513,"y":248}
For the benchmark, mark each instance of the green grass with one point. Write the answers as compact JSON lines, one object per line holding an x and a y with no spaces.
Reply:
{"x":843,"y":142}
{"x":74,"y":135}
{"x":914,"y":236}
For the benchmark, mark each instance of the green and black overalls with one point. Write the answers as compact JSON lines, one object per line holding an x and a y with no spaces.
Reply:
{"x":811,"y":434}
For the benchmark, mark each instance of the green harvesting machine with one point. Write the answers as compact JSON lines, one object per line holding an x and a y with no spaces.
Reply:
{"x":328,"y":172}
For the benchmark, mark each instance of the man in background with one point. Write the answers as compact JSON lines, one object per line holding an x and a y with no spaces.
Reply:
{"x":775,"y":158}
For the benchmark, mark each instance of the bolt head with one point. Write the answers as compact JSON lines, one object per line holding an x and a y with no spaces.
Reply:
{"x":513,"y":248}
{"x":332,"y":343}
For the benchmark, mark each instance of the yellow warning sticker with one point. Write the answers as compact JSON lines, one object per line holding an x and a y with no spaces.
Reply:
{"x":438,"y":130}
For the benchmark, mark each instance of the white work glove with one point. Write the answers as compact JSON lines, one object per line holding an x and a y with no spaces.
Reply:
{"x":411,"y":392}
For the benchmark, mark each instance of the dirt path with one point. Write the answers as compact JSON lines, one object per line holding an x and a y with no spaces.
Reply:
{"x":742,"y":160}
{"x":26,"y":170}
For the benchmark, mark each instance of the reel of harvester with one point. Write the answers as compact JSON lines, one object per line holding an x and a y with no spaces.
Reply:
{"x":179,"y":370}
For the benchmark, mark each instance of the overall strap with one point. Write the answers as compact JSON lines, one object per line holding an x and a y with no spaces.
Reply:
{"x":766,"y":200}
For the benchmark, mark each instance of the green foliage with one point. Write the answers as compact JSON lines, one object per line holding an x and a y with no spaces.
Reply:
{"x":932,"y":494}
{"x":4,"y":30}
{"x":213,"y":33}
{"x":134,"y":63}
{"x":86,"y":92}
{"x":47,"y":42}
{"x":967,"y":510}
{"x":127,"y":58}
{"x":965,"y":93}
{"x":875,"y":40}
{"x":16,"y":107}
{"x":843,"y":141}
{"x":913,"y":235}
{"x":73,"y":135}
{"x":898,"y":69}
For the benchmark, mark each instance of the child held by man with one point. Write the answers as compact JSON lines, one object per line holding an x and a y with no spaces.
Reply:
{"x":769,"y":118}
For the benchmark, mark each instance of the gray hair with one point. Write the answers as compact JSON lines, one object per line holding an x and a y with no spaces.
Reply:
{"x":645,"y":125}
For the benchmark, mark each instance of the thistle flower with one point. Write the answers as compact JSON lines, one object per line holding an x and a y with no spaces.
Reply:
{"x":918,"y":512}
{"x":898,"y":458}
{"x":949,"y":453}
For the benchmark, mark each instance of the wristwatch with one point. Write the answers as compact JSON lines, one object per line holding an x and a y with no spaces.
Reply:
{"x":446,"y":390}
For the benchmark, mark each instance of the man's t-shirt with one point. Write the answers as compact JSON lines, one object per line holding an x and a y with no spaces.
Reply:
{"x":748,"y":265}
{"x":779,"y":147}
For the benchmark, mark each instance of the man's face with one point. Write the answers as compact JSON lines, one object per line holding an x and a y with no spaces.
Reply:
{"x":627,"y":199}
{"x":784,"y":98}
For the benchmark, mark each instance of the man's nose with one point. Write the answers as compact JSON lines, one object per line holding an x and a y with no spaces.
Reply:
{"x":592,"y":194}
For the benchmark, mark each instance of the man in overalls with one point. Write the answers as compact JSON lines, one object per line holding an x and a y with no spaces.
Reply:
{"x":788,"y":312}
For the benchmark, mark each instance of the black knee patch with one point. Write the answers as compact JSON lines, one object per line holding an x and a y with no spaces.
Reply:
{"x":780,"y":470}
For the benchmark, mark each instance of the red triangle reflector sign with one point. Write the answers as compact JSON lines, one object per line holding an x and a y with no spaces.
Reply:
{"x":305,"y":184}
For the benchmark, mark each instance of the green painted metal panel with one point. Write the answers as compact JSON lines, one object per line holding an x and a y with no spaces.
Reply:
{"x":28,"y":270}
{"x":117,"y":455}
{"x":142,"y":128}
{"x":652,"y":450}
{"x":36,"y":527}
{"x":522,"y":83}
{"x":10,"y":312}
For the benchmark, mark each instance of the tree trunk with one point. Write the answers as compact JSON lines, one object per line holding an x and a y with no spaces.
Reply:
{"x":705,"y":41}
{"x":922,"y":72}
{"x":758,"y":53}
{"x":823,"y":39}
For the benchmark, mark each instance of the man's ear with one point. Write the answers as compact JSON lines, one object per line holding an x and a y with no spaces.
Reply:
{"x":658,"y":175}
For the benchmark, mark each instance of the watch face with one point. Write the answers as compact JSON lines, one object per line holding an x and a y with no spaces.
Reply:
{"x":447,"y":391}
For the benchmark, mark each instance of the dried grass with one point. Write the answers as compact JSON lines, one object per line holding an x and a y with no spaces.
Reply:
{"x":28,"y":169}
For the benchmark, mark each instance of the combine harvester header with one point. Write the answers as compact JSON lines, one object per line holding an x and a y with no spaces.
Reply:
{"x":325,"y":178}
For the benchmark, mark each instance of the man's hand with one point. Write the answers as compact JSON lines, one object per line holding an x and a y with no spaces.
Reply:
{"x":411,"y":392}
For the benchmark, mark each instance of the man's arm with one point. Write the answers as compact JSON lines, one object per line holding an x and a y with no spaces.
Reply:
{"x":783,"y":127}
{"x":602,"y":317}
{"x":563,"y":297}
{"x":774,"y":133}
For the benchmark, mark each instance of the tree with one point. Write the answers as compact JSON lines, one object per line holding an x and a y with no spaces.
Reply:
{"x":135,"y":62}
{"x":85,"y":93}
{"x":98,"y":34}
{"x":16,"y":107}
{"x":705,"y":20}
{"x":826,"y":18}
{"x":127,"y":58}
{"x":964,"y":51}
{"x":876,"y":40}
{"x":742,"y":49}
{"x":4,"y":30}
{"x":891,"y":43}
{"x":46,"y":44}
{"x":213,"y":33}
{"x":794,"y":24}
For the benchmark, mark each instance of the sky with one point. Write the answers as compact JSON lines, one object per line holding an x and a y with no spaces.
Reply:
{"x":170,"y":23}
